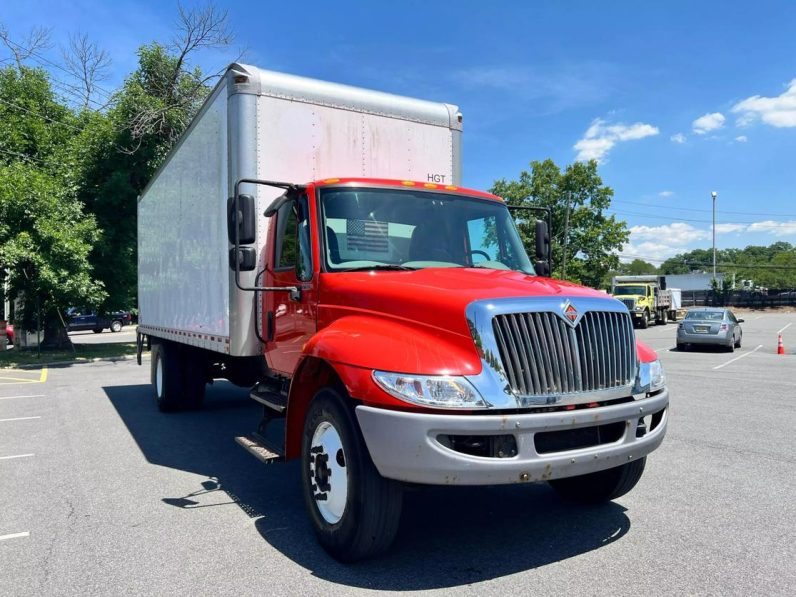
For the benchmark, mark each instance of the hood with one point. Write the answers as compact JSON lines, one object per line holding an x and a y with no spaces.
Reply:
{"x":436,"y":297}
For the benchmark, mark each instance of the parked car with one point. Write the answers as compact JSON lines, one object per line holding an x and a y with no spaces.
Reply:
{"x":84,"y":318}
{"x":710,"y":325}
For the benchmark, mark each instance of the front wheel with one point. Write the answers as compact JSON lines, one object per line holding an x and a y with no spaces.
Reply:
{"x":645,"y":320}
{"x":601,"y":486}
{"x":116,"y":326}
{"x":354,"y":510}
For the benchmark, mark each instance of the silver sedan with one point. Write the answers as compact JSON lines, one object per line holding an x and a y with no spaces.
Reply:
{"x":710,"y":325}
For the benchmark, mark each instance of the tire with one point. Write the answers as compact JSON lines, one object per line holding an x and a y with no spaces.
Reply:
{"x":682,"y":347}
{"x":356,"y":519}
{"x":116,"y":326}
{"x":601,"y":486}
{"x":738,"y":344}
{"x":731,"y":347}
{"x":167,"y":376}
{"x":663,"y":318}
{"x":645,"y":320}
{"x":97,"y":330}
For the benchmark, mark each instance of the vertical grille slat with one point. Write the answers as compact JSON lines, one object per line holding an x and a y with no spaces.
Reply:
{"x":543,"y":355}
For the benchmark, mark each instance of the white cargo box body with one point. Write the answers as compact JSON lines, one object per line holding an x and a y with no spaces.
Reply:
{"x":266,"y":125}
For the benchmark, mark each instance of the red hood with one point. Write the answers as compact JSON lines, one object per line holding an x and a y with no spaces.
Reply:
{"x":436,"y":297}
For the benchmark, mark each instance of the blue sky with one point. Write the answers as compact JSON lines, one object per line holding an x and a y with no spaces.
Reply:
{"x":675,"y":99}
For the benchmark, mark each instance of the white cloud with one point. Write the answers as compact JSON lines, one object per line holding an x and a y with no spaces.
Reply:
{"x":779,"y":111}
{"x":708,"y":122}
{"x":678,"y":138}
{"x":773,"y":227}
{"x":665,"y":194}
{"x":601,"y":137}
{"x":728,"y":228}
{"x":742,"y":138}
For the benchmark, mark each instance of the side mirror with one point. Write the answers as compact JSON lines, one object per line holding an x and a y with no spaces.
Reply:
{"x":246,"y":257}
{"x":740,"y":321}
{"x":542,"y":264}
{"x":244,"y":218}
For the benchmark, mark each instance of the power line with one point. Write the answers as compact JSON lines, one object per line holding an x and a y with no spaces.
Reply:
{"x":723,"y":211}
{"x":32,"y":113}
{"x":669,"y":218}
{"x":28,"y":158}
{"x":708,"y":265}
{"x":41,"y":58}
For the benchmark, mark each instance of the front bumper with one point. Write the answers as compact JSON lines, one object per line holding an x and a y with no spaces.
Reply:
{"x":405,"y":446}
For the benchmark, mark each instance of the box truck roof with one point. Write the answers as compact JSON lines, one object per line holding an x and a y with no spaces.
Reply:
{"x":251,"y":79}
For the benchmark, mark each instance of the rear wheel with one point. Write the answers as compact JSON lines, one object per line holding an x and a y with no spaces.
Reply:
{"x":662,"y":318}
{"x":166,"y":376}
{"x":738,"y":343}
{"x":601,"y":486}
{"x":354,"y":510}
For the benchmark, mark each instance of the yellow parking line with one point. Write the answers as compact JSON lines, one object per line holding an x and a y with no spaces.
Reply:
{"x":9,"y":380}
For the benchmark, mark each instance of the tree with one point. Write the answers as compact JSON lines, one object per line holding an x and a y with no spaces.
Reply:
{"x":584,"y":238}
{"x":637,"y":267}
{"x":45,"y":236}
{"x":88,"y":64}
{"x":120,"y":151}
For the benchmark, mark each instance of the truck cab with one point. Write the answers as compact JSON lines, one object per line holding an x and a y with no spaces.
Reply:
{"x":414,"y":342}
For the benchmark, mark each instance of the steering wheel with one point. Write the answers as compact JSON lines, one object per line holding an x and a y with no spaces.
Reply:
{"x":484,"y":253}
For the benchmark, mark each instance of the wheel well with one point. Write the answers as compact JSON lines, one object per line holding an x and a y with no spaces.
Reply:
{"x":313,"y":373}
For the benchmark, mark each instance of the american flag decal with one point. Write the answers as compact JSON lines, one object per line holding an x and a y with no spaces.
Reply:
{"x":366,"y":235}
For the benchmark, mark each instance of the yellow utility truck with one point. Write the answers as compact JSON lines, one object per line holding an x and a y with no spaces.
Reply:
{"x":647,"y":298}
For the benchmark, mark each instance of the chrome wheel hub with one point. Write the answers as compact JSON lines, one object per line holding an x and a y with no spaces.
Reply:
{"x":328,"y":473}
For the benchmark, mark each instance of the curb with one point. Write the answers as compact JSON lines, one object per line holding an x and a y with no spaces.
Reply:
{"x":76,"y":362}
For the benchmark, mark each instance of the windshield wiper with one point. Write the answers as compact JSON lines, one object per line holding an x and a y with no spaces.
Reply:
{"x":384,"y":267}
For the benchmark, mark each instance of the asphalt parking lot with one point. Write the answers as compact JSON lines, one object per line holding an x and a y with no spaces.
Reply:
{"x":101,"y":494}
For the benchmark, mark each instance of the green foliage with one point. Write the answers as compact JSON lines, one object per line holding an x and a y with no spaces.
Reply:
{"x":593,"y":236}
{"x":773,"y":266}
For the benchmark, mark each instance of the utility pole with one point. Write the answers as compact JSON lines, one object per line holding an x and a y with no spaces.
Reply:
{"x":714,"y":194}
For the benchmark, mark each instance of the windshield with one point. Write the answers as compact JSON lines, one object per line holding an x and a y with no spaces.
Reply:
{"x":630,"y":290}
{"x":368,"y":228}
{"x":706,"y":315}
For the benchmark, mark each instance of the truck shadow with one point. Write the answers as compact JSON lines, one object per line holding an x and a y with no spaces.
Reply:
{"x":449,"y":536}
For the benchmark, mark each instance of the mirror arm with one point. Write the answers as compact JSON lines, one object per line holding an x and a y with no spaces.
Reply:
{"x":293,"y":290}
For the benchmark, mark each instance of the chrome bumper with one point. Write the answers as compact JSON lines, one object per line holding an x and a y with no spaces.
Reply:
{"x":405,"y":446}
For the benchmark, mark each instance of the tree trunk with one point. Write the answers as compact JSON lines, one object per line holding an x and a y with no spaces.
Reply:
{"x":55,"y":335}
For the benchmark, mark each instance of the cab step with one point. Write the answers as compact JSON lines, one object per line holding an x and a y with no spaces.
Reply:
{"x":259,"y":447}
{"x":275,"y":401}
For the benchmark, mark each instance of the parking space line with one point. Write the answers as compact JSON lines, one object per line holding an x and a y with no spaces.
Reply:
{"x":740,"y":357}
{"x":18,"y":419}
{"x":785,"y":328}
{"x":27,"y":396}
{"x":16,"y":456}
{"x":14,"y":536}
{"x":9,"y":380}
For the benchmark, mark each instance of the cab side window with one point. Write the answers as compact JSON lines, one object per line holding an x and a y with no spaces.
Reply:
{"x":292,"y":247}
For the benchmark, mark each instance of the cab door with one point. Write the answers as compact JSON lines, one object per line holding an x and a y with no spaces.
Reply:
{"x":290,"y":321}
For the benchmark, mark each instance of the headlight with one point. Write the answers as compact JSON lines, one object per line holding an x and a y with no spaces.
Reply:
{"x":441,"y":391}
{"x":650,"y":377}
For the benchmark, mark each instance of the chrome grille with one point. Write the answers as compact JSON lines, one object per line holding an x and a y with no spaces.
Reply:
{"x":629,"y":303}
{"x":543,"y":355}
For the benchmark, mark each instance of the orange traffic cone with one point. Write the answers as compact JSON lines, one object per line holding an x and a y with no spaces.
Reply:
{"x":780,"y":347}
